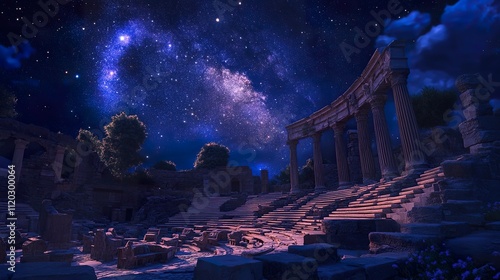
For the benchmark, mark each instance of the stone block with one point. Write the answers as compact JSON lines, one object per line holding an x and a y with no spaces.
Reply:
{"x":474,"y":97}
{"x":59,"y":256}
{"x":375,"y":268}
{"x":228,"y":267}
{"x":341,"y":271}
{"x":53,"y":271}
{"x":311,"y":238}
{"x":480,"y":246}
{"x":321,"y":252}
{"x":33,"y":250}
{"x":465,"y":169}
{"x":396,"y":242}
{"x":353,"y":234}
{"x":426,"y":214}
{"x":478,"y":110}
{"x":288,"y":266}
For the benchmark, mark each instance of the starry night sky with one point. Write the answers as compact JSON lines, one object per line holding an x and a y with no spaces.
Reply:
{"x":195,"y":73}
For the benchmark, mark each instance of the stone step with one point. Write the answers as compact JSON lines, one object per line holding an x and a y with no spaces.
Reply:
{"x":355,"y":215}
{"x":381,"y":242}
{"x":443,"y":229}
{"x":415,"y":191}
{"x":363,"y":210}
{"x":368,"y":207}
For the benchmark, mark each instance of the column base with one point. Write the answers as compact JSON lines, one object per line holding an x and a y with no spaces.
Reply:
{"x":369,"y":181}
{"x":319,"y":188}
{"x":344,"y":185}
{"x":294,"y":190}
{"x":415,"y":171}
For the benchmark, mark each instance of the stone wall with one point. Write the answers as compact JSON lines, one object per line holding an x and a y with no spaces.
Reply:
{"x":224,"y":180}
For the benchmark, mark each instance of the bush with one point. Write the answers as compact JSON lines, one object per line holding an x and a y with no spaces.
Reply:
{"x":431,"y":104}
{"x":165,"y":165}
{"x":438,"y":263}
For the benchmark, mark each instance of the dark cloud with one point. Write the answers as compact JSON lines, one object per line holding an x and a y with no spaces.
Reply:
{"x":10,"y":58}
{"x":466,"y":40}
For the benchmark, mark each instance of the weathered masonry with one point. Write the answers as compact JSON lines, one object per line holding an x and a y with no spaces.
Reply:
{"x":385,"y":70}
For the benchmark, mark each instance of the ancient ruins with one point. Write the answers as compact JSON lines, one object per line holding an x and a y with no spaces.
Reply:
{"x":380,"y":209}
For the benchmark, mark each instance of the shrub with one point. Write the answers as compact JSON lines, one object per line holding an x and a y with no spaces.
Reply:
{"x":438,"y":263}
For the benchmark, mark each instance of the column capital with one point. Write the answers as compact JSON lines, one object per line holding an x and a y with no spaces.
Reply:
{"x":338,"y":127}
{"x":361,"y":114}
{"x":316,"y":136}
{"x":399,"y":78}
{"x":292,"y":143}
{"x":21,"y":143}
{"x":377,"y":101}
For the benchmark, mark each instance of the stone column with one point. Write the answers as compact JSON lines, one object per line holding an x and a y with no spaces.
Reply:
{"x":386,"y":159}
{"x":57,"y":165}
{"x":408,"y":128}
{"x":17,"y":159}
{"x":264,"y":179}
{"x":319,"y":179}
{"x":341,"y":154}
{"x":294,"y":168}
{"x":365,"y":150}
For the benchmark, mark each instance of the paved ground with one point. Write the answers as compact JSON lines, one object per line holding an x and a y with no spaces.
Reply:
{"x":182,"y":266}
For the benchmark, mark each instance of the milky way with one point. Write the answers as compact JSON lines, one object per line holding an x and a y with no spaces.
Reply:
{"x":235,"y":73}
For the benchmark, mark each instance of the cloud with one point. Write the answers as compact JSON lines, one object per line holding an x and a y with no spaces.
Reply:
{"x":11,"y":59}
{"x":465,"y":41}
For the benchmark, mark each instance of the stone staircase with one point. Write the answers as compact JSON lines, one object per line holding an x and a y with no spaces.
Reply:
{"x":27,"y":218}
{"x":198,"y":214}
{"x":391,"y":199}
{"x":245,"y":214}
{"x":325,"y":203}
{"x":449,"y":210}
{"x":283,"y":218}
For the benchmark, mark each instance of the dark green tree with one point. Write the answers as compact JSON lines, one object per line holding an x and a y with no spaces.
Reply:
{"x":284,"y":176}
{"x":165,"y":165}
{"x":120,"y":148}
{"x":212,"y":155}
{"x":431,"y":104}
{"x":7,"y":104}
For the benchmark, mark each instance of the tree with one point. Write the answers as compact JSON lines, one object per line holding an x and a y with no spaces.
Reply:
{"x":431,"y":104}
{"x":120,"y":148}
{"x":212,"y":155}
{"x":307,"y":172}
{"x":165,"y":165}
{"x":8,"y":104}
{"x":284,"y":176}
{"x":91,"y":141}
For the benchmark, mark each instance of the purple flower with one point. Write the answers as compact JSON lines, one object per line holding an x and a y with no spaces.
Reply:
{"x":465,"y":274}
{"x":395,"y":266}
{"x":497,"y":276}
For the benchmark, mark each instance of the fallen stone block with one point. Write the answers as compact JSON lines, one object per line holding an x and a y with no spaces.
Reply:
{"x":341,"y":271}
{"x":228,"y":267}
{"x":375,"y":268}
{"x":321,"y":252}
{"x":53,"y":271}
{"x":288,"y":266}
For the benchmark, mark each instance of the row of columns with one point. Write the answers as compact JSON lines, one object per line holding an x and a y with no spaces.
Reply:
{"x":389,"y":169}
{"x":17,"y":159}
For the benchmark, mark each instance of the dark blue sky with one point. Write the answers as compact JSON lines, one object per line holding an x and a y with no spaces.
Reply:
{"x":195,"y":73}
